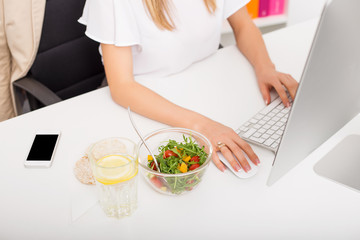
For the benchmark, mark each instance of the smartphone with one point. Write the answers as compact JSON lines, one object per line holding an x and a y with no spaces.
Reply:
{"x":42,"y":149}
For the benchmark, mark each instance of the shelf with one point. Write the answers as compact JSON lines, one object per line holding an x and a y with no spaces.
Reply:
{"x":260,"y":22}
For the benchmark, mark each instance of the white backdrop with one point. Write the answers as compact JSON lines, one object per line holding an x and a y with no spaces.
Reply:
{"x":298,"y":11}
{"x":303,"y":10}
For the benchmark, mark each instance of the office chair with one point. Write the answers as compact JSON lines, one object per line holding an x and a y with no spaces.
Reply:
{"x":67,"y":62}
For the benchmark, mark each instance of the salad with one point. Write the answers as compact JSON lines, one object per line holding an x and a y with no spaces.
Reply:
{"x":175,"y":158}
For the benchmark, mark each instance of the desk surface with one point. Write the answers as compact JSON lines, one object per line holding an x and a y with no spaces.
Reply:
{"x":37,"y":203}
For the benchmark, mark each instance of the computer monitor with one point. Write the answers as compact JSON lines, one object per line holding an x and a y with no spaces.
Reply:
{"x":328,"y":94}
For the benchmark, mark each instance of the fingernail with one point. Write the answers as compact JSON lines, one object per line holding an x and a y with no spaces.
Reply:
{"x":257,"y":161}
{"x":288,"y":105}
{"x":266,"y":102}
{"x":237,"y":168}
{"x":222,"y":169}
{"x":247,"y":168}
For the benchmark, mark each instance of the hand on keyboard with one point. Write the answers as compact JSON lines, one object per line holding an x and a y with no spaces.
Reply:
{"x":270,"y":78}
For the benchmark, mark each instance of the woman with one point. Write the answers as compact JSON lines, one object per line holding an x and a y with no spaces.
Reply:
{"x":161,"y":37}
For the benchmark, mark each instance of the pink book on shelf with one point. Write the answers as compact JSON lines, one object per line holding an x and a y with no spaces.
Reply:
{"x":264,"y":8}
{"x":276,"y":7}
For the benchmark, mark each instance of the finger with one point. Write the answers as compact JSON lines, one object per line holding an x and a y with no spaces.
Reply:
{"x":265,"y":93}
{"x":248,"y":150}
{"x":230,"y":158}
{"x":294,"y":86}
{"x":217,"y":162}
{"x":239,"y":154}
{"x":291,"y":84}
{"x":282,"y":93}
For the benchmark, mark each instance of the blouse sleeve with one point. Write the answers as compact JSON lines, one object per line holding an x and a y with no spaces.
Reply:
{"x":111,"y":22}
{"x":232,"y":6}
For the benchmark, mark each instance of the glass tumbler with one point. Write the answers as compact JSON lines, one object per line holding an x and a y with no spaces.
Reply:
{"x":114,"y":163}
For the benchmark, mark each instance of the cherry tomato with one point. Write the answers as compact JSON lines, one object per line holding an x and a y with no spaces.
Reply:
{"x":195,"y":159}
{"x":156,"y":181}
{"x":169,"y":153}
{"x":194,"y":166}
{"x":153,"y":166}
{"x":189,"y":181}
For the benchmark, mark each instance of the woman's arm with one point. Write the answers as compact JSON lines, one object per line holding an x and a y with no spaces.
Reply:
{"x":126,"y":92}
{"x":250,"y":42}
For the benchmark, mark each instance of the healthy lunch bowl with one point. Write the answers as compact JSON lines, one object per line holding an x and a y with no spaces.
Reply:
{"x":183,"y":156}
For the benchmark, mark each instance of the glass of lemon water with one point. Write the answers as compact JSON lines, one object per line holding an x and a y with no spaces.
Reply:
{"x":114,"y":163}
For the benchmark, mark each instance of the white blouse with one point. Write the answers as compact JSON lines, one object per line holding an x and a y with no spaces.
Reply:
{"x":158,"y":52}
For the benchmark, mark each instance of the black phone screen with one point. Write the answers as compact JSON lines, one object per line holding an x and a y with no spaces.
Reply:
{"x":42,"y":147}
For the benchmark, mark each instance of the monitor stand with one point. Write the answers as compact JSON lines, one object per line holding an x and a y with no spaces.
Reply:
{"x":342,"y":163}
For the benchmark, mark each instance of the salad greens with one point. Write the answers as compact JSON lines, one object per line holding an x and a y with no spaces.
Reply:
{"x":175,"y":158}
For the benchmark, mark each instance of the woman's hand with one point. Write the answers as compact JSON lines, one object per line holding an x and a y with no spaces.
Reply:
{"x":250,"y":42}
{"x":234,"y":145}
{"x":269,"y":78}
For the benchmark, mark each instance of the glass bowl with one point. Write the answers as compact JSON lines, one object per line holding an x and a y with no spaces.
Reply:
{"x":172,"y":184}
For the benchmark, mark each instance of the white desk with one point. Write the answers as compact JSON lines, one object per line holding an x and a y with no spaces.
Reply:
{"x":36,"y":203}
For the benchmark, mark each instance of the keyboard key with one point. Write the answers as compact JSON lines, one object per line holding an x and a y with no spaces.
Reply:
{"x":257,"y":126}
{"x":275,"y":136}
{"x":257,"y":134}
{"x":247,"y":124}
{"x":259,"y":116}
{"x":266,"y":118}
{"x":284,"y":120}
{"x":266,"y":126}
{"x":269,"y":142}
{"x":271,"y":122}
{"x":261,"y":130}
{"x":275,"y":145}
{"x":262,"y":122}
{"x":259,"y":140}
{"x":280,"y":114}
{"x":285,"y":110}
{"x":271,"y":132}
{"x":253,"y":121}
{"x":276,"y":118}
{"x":249,"y":133}
{"x":275,"y":110}
{"x":271,"y":114}
{"x":279,"y":124}
{"x":265,"y":135}
{"x":275,"y":128}
{"x":273,"y":104}
{"x":280,"y":132}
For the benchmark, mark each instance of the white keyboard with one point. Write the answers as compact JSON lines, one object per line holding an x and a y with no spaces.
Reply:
{"x":267,"y":126}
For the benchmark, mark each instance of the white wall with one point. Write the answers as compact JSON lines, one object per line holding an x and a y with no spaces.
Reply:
{"x":298,"y":11}
{"x":303,"y":10}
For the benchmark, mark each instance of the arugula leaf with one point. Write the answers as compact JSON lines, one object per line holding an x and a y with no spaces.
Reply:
{"x":170,"y":164}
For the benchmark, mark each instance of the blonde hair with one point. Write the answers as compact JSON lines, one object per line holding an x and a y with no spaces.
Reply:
{"x":159,"y":11}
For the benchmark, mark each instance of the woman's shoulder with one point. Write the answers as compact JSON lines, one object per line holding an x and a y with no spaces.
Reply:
{"x":111,"y":21}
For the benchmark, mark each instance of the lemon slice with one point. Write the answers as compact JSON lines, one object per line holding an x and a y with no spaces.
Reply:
{"x":113,"y":169}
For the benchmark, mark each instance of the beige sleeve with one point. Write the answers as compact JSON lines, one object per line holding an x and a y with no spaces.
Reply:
{"x":6,"y":106}
{"x":22,"y":25}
